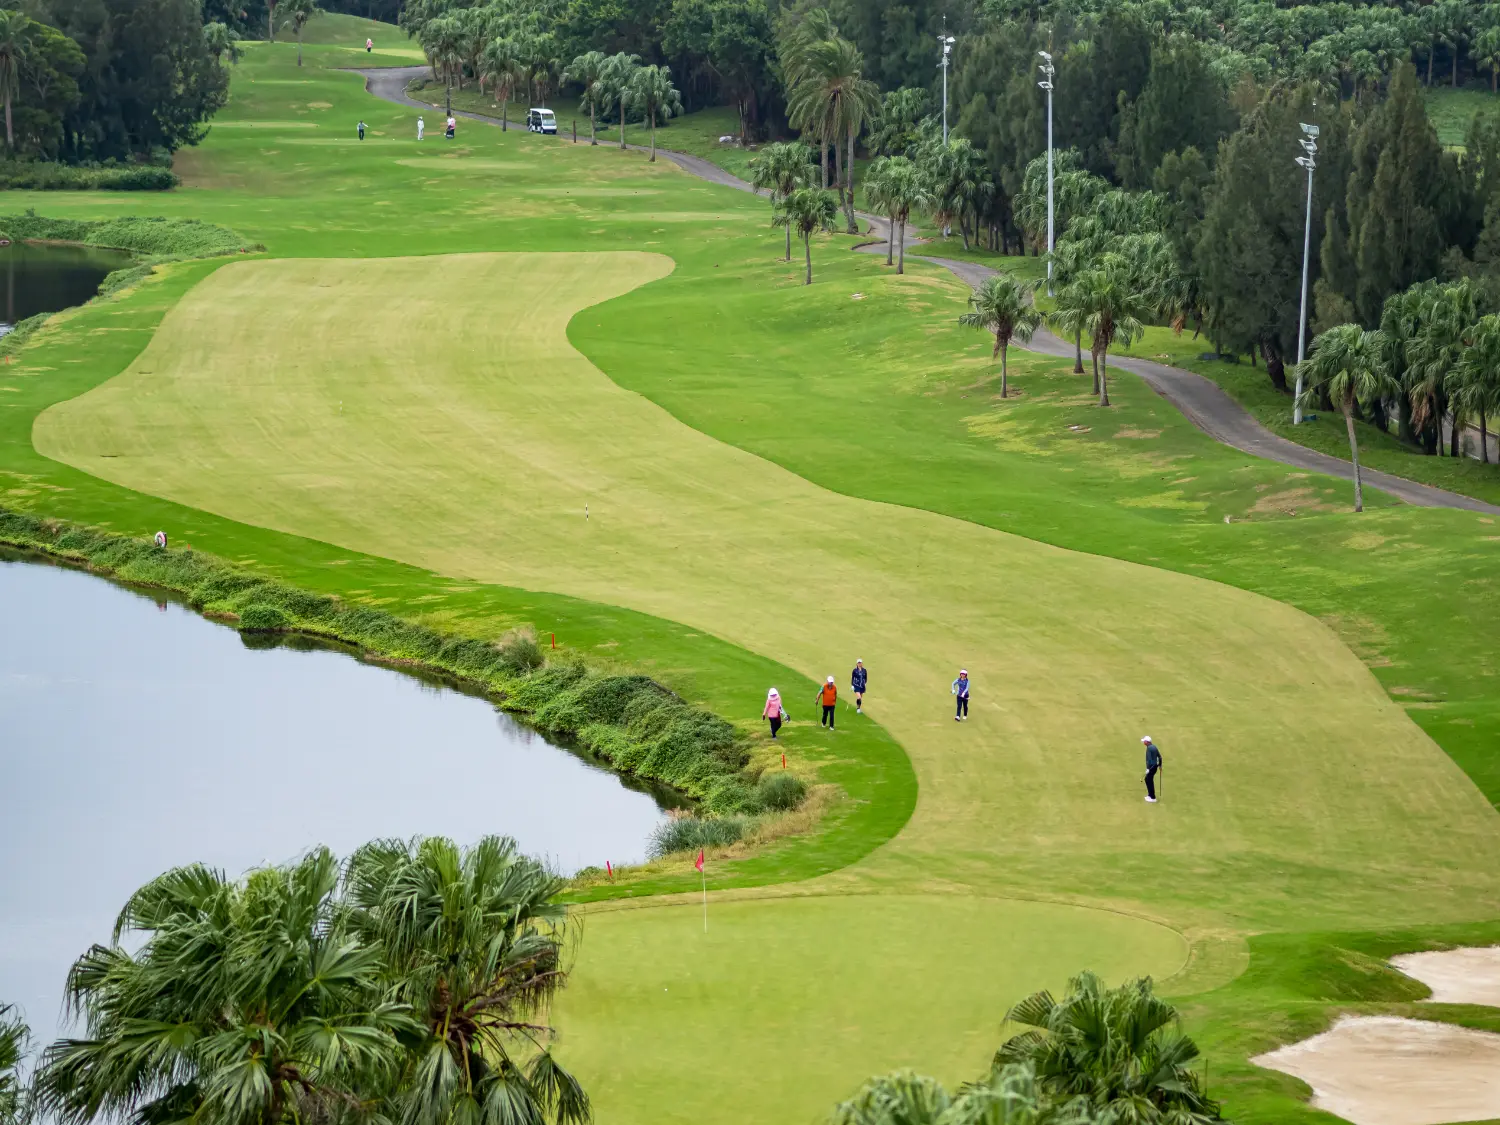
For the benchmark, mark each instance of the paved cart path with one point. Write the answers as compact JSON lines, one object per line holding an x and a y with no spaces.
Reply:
{"x":1202,"y":401}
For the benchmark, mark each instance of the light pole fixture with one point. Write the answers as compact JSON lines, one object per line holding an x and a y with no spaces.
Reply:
{"x":1309,"y":161}
{"x":945,"y":41}
{"x":1048,"y":72}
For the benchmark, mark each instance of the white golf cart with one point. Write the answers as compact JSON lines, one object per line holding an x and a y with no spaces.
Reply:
{"x":541,"y":121}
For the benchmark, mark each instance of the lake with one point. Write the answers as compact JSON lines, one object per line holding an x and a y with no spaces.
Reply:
{"x":36,"y":278}
{"x":136,"y":735}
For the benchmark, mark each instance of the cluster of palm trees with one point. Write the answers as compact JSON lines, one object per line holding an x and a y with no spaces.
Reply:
{"x":621,"y":83}
{"x":1433,"y":356}
{"x":1099,"y":1056}
{"x":402,"y":985}
{"x":828,"y":98}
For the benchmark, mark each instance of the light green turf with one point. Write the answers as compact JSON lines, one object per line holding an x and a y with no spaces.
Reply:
{"x":805,"y":997}
{"x":759,"y":422}
{"x":386,"y":417}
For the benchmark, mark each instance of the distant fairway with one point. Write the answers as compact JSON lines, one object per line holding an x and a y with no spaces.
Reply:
{"x":354,"y":401}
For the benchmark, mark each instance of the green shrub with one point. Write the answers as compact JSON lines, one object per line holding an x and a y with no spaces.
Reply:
{"x":689,"y":833}
{"x":780,"y":791}
{"x":37,"y":175}
{"x":520,"y":655}
{"x":542,"y":685}
{"x":263,"y":619}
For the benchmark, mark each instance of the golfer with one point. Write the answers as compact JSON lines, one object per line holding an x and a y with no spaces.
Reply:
{"x":774,"y":711}
{"x":421,"y":127}
{"x":859,"y":679}
{"x":361,"y":130}
{"x":369,"y":45}
{"x":452,"y":126}
{"x":828,"y":695}
{"x":1153,"y":766}
{"x":961,"y":694}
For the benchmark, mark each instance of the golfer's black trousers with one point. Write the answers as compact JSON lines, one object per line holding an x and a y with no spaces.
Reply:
{"x":1151,"y":782}
{"x":775,"y":724}
{"x":963,"y":707}
{"x":828,"y":715}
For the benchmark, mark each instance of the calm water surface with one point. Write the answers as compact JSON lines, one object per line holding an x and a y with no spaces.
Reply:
{"x":136,"y":736}
{"x":37,"y":279}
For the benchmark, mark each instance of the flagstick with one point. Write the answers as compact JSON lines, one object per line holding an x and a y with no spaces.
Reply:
{"x":704,"y":874}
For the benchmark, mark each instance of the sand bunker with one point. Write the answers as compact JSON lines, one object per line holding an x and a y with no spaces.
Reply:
{"x":1382,"y":1070}
{"x":1456,"y":976}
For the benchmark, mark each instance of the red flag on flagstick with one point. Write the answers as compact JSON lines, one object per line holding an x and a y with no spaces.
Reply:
{"x":698,"y":863}
{"x":608,"y":867}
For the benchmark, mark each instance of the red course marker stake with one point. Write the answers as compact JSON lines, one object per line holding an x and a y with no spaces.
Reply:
{"x":554,"y":640}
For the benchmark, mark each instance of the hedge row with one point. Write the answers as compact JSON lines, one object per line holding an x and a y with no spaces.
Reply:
{"x":40,"y":175}
{"x":152,"y":237}
{"x":633,"y":723}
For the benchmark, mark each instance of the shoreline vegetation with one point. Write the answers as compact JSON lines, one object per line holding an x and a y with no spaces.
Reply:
{"x":629,"y":723}
{"x":154,"y":242}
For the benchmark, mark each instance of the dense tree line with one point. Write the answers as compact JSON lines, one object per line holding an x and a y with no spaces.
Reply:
{"x":95,"y":80}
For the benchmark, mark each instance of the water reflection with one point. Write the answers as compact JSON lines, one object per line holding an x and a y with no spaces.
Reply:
{"x":135,"y":736}
{"x":37,"y":279}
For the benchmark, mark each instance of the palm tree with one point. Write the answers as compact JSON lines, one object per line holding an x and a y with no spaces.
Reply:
{"x":1066,"y":319}
{"x":809,"y":210}
{"x":14,"y":1035}
{"x":1003,"y":306}
{"x":220,"y":40}
{"x":538,"y":55}
{"x":1486,"y":52}
{"x":474,"y":938}
{"x":15,"y":44}
{"x":896,"y":185}
{"x":1117,"y":1050}
{"x":832,"y":99}
{"x":1435,"y":350}
{"x":1348,"y":364}
{"x":243,"y":1005}
{"x":588,"y":71}
{"x":902,"y":1098}
{"x":652,"y":90}
{"x":1476,"y":382}
{"x":780,"y":169}
{"x":617,"y":82}
{"x":501,"y":66}
{"x":1113,"y":307}
{"x":295,"y":14}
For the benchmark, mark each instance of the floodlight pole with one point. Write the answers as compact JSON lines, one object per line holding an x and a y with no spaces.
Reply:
{"x":945,"y":43}
{"x":1048,"y":71}
{"x":1310,"y":147}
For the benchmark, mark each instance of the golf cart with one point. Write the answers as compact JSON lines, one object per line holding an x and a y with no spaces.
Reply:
{"x":541,"y":121}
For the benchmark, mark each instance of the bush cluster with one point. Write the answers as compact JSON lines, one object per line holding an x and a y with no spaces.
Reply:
{"x":43,"y":176}
{"x":152,"y":237}
{"x":631,"y":722}
{"x":689,"y":833}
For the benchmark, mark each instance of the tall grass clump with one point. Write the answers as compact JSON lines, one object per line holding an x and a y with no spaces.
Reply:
{"x":631,"y":722}
{"x":689,"y":833}
{"x":780,"y":791}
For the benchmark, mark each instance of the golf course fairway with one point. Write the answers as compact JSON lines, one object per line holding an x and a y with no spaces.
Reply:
{"x":507,"y":380}
{"x":390,"y":411}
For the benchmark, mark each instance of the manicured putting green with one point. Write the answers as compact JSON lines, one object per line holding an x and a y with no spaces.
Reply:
{"x":431,"y":409}
{"x":791,"y":1003}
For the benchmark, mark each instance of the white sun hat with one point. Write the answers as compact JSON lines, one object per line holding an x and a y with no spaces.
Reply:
{"x":1146,"y":738}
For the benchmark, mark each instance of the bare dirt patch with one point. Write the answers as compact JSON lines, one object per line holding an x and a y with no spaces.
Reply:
{"x":1384,"y":1070}
{"x":1456,"y":976}
{"x":1290,"y":501}
{"x":1132,"y":432}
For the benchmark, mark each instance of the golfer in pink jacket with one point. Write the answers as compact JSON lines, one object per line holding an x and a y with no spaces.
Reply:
{"x":774,"y":711}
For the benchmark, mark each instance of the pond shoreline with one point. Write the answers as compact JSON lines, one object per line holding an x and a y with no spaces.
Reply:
{"x":702,"y":772}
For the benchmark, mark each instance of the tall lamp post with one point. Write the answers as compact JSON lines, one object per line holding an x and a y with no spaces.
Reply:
{"x":945,"y":41}
{"x":1307,"y":160}
{"x":1048,"y":72}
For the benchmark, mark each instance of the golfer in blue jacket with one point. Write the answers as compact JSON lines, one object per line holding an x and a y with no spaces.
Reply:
{"x":1153,"y":767}
{"x":859,"y":679}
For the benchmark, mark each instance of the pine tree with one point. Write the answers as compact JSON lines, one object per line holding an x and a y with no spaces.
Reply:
{"x":1403,"y":203}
